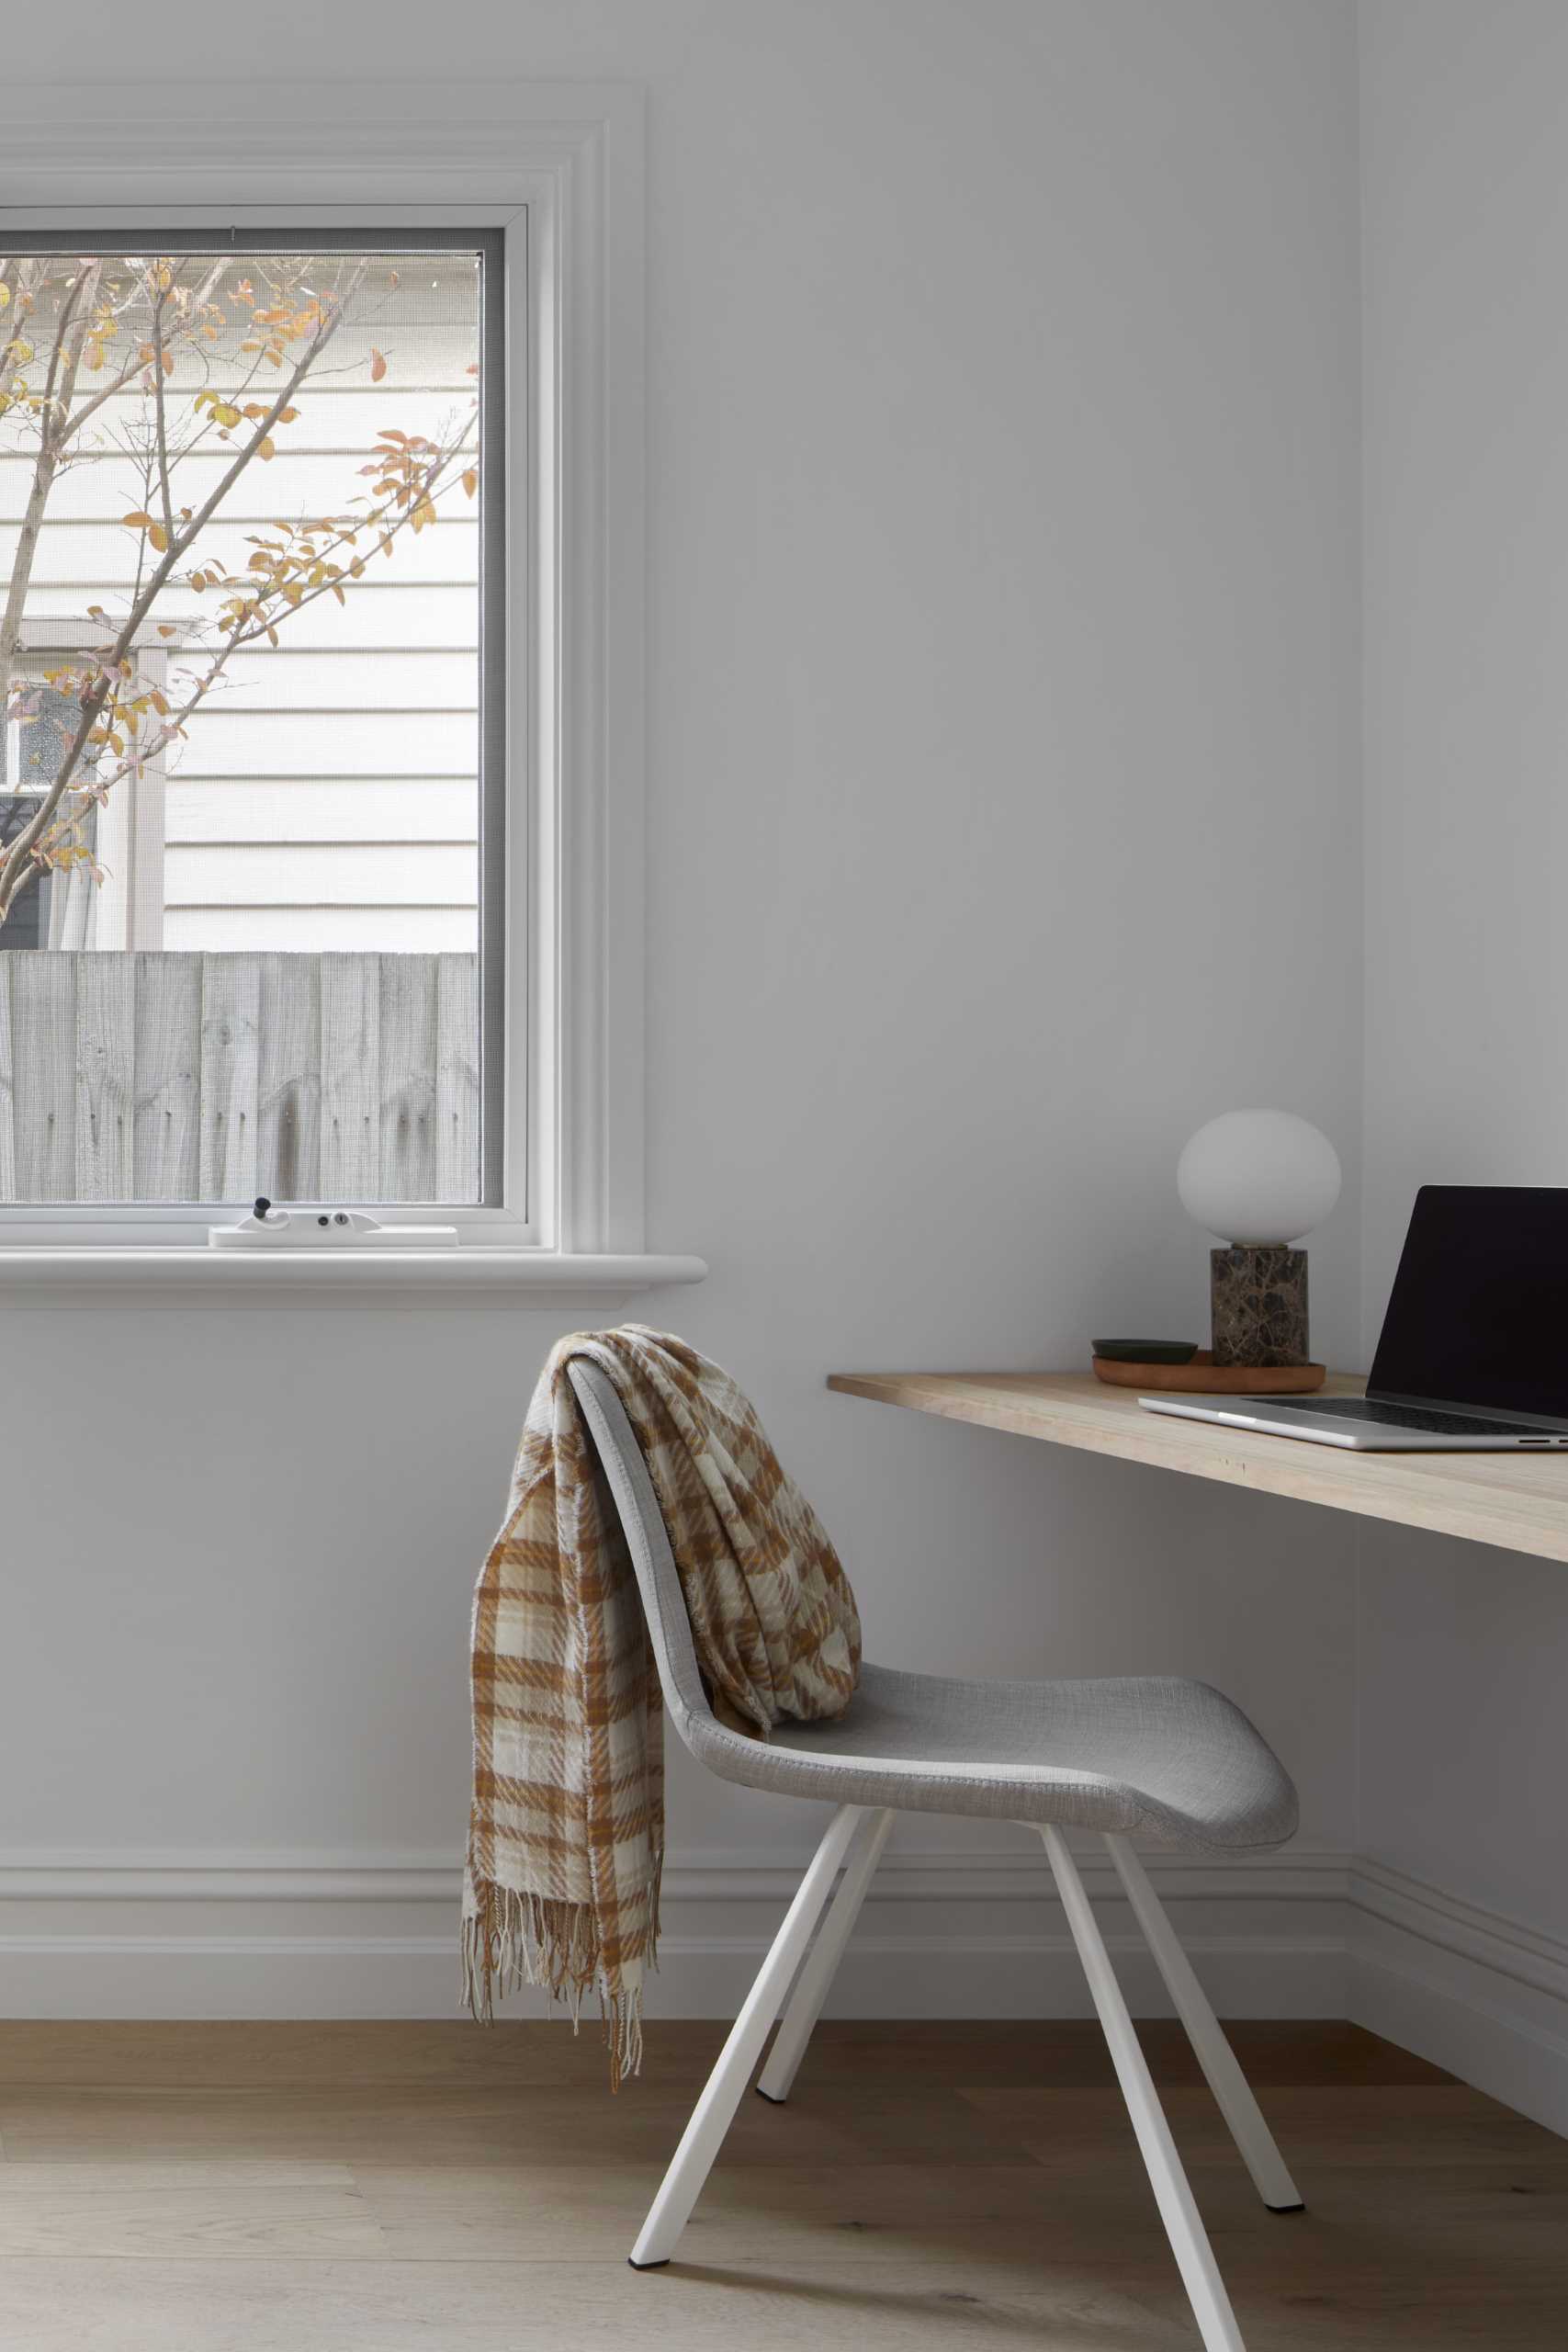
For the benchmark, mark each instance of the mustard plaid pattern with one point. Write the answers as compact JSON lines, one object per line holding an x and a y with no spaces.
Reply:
{"x":566,"y":1830}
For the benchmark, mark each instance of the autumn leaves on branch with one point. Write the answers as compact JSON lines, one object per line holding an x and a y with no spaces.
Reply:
{"x":139,"y":324}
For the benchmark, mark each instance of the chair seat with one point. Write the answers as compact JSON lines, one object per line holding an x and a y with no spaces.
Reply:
{"x":1152,"y":1755}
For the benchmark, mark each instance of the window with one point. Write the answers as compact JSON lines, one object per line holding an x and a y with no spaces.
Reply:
{"x":253,"y":801}
{"x":544,"y":183}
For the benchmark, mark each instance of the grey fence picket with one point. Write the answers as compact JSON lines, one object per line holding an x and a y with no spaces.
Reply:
{"x":7,"y":1091}
{"x":457,"y":1077}
{"x":43,"y":1068}
{"x":184,"y":1076}
{"x":408,"y":1078}
{"x":230,"y":1061}
{"x":351,"y":1079}
{"x":288,"y":1141}
{"x":106,"y":1076}
{"x":167,"y":1165}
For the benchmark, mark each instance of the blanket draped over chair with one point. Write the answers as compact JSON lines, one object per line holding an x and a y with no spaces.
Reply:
{"x":566,"y":1832}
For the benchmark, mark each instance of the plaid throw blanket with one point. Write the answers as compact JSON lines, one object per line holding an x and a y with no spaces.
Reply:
{"x":567,"y":1831}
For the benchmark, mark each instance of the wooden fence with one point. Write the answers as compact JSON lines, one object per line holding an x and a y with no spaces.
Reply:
{"x":153,"y":1077}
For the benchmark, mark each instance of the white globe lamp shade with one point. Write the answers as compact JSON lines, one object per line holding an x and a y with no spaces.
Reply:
{"x":1259,"y":1179}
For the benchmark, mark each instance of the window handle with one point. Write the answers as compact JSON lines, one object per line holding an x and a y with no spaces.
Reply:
{"x":267,"y":1228}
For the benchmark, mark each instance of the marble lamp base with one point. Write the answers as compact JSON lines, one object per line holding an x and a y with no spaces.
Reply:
{"x":1260,"y":1300}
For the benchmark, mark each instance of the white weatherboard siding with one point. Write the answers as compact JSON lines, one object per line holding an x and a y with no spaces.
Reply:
{"x":388,"y":614}
{"x":308,"y":743}
{"x":349,"y":809}
{"x":319,"y":873}
{"x":328,"y":795}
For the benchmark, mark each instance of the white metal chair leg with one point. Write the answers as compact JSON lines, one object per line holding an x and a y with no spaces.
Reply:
{"x":1216,"y":2057}
{"x":715,"y":2109}
{"x":821,"y":1963}
{"x":1189,"y":2239}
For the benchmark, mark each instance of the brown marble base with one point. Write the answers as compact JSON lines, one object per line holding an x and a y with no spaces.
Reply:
{"x":1260,"y":1299}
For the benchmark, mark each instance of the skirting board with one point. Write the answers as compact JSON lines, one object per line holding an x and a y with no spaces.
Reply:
{"x":958,"y":1932}
{"x":1476,"y":1992}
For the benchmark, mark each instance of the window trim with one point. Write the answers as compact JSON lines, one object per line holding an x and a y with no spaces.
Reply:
{"x":141,"y":813}
{"x":560,"y":166}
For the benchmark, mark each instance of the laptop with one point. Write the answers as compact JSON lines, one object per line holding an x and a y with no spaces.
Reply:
{"x":1473,"y":1356}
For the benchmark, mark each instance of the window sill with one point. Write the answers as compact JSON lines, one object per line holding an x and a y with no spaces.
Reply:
{"x":142,"y":1274}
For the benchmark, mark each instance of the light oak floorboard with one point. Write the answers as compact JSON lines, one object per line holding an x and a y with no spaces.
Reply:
{"x":564,"y":2307}
{"x":208,"y":2054}
{"x":432,"y":2127}
{"x":165,"y":2224}
{"x":1351,"y":2125}
{"x":383,"y":2187}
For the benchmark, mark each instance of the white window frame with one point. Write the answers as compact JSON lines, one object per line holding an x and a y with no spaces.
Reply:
{"x":559,"y":165}
{"x":130,"y":835}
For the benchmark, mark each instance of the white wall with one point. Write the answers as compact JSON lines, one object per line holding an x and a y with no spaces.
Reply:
{"x":1004,"y":825}
{"x":1464,"y":1737}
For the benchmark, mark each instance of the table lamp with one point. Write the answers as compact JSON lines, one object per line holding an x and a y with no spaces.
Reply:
{"x":1260,"y":1180}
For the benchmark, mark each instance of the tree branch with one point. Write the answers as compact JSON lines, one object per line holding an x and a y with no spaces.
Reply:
{"x":161,"y":418}
{"x":17,"y":858}
{"x":62,"y":362}
{"x":173,"y":722}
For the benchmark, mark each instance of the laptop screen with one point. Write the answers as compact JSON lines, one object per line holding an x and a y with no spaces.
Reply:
{"x":1479,"y":1313}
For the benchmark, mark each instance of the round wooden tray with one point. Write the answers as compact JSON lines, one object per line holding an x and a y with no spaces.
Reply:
{"x":1201,"y":1378}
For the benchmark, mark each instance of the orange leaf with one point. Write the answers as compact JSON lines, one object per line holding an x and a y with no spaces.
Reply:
{"x":159,"y":538}
{"x":138,"y":521}
{"x":470,"y":481}
{"x":267,"y":446}
{"x":165,"y":630}
{"x":377,"y":365}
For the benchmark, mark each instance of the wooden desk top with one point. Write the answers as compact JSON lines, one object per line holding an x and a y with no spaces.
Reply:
{"x":1519,"y":1501}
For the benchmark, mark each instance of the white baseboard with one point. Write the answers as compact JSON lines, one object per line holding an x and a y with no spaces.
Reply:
{"x":954,"y":1932}
{"x":1477,"y":1992}
{"x":957,"y":1932}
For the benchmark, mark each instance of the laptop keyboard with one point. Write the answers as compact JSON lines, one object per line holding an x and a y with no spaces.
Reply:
{"x":1404,"y":1417}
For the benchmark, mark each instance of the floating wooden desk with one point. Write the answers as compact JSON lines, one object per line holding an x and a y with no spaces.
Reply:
{"x":1519,"y":1501}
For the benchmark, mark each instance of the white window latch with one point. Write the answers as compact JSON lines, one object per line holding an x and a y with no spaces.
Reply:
{"x":270,"y":1229}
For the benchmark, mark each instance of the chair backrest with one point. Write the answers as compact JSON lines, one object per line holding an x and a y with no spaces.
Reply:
{"x":658,"y":1579}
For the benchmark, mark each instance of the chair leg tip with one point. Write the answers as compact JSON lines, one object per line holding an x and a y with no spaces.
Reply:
{"x":633,"y":2264}
{"x":769,"y":2096}
{"x":1298,"y":2207}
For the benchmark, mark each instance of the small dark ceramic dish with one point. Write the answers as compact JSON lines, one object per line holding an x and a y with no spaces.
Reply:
{"x":1145,"y":1351}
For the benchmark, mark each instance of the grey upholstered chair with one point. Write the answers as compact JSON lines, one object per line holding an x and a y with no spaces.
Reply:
{"x":1150,"y":1756}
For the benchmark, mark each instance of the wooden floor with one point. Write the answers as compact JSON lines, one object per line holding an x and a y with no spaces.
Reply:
{"x":368,"y":2188}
